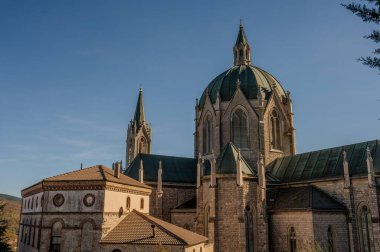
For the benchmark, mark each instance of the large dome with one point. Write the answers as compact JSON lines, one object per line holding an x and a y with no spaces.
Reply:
{"x":251,"y":78}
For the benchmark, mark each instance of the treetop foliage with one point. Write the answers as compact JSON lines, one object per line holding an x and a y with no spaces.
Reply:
{"x":368,"y":14}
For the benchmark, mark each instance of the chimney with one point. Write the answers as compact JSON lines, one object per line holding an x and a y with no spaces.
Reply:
{"x":153,"y":230}
{"x":117,"y":170}
{"x":346,"y":171}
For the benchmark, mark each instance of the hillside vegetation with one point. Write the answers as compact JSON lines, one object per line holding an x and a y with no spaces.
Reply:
{"x":12,"y":215}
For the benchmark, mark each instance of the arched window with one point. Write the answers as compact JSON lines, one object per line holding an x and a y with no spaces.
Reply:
{"x":32,"y":203}
{"x":239,"y":129}
{"x":116,"y":250}
{"x":55,"y":240}
{"x":275,"y":131}
{"x":30,"y":232}
{"x":330,"y":239}
{"x":207,"y":221}
{"x":142,"y":203}
{"x":128,"y":203}
{"x":87,"y":237}
{"x":366,"y":230}
{"x":34,"y":233}
{"x":142,"y":145}
{"x":207,"y":135}
{"x":37,"y":202}
{"x":248,"y":220}
{"x":292,"y":240}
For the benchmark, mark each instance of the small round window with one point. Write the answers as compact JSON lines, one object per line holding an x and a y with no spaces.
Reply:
{"x":58,"y":200}
{"x":89,"y":200}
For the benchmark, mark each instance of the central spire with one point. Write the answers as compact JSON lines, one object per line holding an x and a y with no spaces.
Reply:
{"x":242,"y":50}
{"x":139,"y":113}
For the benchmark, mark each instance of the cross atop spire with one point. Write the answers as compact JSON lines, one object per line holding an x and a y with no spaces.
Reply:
{"x":139,"y":113}
{"x":242,"y":50}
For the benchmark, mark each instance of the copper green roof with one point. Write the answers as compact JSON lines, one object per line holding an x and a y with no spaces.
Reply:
{"x":251,"y":78}
{"x":241,"y":38}
{"x":174,"y":169}
{"x":226,"y":162}
{"x":139,"y":117}
{"x":301,"y":199}
{"x":327,"y":163}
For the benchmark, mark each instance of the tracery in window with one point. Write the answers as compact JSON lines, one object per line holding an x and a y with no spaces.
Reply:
{"x":239,"y":129}
{"x":366,"y":230}
{"x":275,"y":130}
{"x":292,"y":240}
{"x":207,"y":135}
{"x":142,"y":145}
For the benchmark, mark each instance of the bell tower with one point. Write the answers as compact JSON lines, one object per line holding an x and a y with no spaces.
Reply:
{"x":139,"y":135}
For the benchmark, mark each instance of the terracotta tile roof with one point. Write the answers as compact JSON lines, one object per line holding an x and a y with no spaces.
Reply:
{"x":136,"y":228}
{"x":96,"y":173}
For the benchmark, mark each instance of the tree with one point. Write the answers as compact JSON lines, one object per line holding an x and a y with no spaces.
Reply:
{"x":4,"y":246}
{"x":368,"y":14}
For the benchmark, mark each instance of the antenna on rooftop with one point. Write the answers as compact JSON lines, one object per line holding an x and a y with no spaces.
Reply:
{"x":81,"y":166}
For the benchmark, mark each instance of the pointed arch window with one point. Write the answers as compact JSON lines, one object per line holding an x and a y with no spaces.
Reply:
{"x":330,"y":239}
{"x":87,"y":237}
{"x":292,"y":240}
{"x":275,"y":130}
{"x":366,"y":231}
{"x":239,"y":129}
{"x":248,"y":220}
{"x":207,"y":134}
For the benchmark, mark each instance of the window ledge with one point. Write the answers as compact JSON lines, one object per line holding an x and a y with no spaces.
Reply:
{"x":277,"y":151}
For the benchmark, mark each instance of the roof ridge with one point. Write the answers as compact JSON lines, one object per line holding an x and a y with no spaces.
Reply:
{"x":65,"y":173}
{"x":145,"y":216}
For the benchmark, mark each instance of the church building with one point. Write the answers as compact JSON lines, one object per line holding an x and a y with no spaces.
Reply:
{"x":245,"y":188}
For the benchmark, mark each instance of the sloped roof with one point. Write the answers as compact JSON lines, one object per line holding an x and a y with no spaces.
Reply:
{"x":190,"y":204}
{"x":326,"y":163}
{"x":136,"y":228}
{"x":226,"y":162}
{"x":303,"y":198}
{"x":174,"y":169}
{"x":241,"y":38}
{"x":96,"y":173}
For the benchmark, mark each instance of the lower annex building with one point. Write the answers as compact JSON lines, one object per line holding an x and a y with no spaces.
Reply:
{"x":246,"y":189}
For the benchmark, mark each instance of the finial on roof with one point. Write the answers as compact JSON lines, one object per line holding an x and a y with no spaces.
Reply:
{"x":242,"y":50}
{"x":241,"y":23}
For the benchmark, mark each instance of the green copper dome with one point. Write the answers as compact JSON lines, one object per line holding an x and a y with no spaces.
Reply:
{"x":250,"y":79}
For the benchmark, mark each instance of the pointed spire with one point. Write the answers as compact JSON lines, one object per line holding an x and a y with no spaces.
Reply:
{"x":371,"y":173}
{"x":242,"y":50}
{"x":159,"y":179}
{"x":346,"y":171}
{"x":241,"y":38}
{"x":139,"y":113}
{"x":141,"y":171}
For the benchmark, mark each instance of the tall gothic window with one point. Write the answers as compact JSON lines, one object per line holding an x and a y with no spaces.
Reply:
{"x":366,"y":230}
{"x":292,"y":239}
{"x":330,"y":239}
{"x":207,"y":221}
{"x":55,"y":240}
{"x":248,"y":229}
{"x":142,"y":145}
{"x":207,"y":135}
{"x":142,"y":203}
{"x":239,"y":129}
{"x":275,"y":133}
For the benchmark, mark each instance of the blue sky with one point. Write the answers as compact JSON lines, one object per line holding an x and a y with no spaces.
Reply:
{"x":70,"y":73}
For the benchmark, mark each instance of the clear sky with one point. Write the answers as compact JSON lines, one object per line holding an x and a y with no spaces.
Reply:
{"x":70,"y":73}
